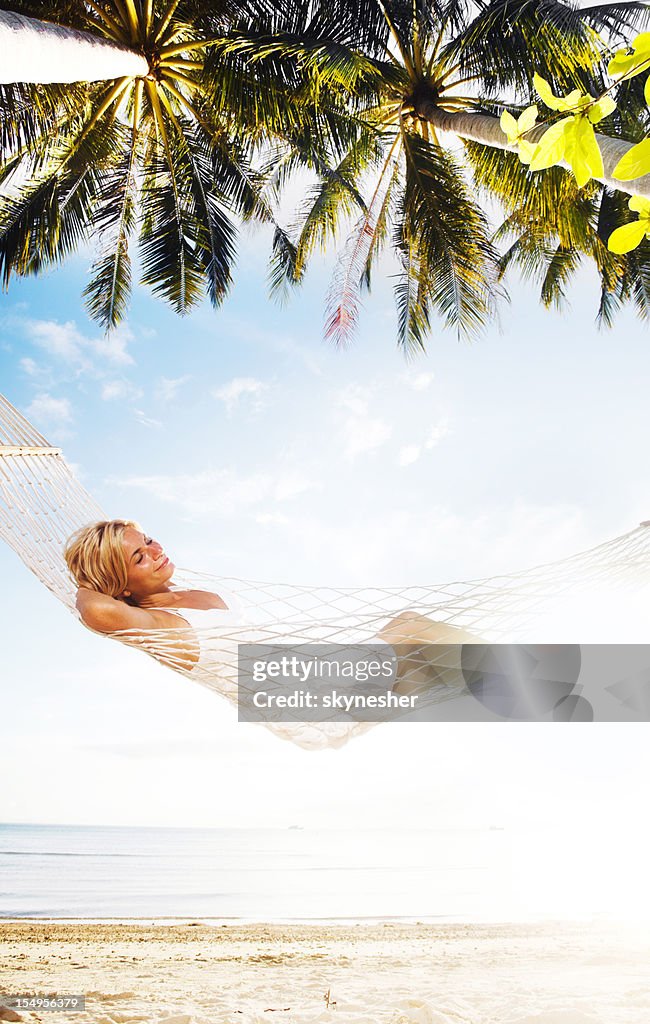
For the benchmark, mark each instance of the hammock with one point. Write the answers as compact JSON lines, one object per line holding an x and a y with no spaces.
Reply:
{"x":41,"y":504}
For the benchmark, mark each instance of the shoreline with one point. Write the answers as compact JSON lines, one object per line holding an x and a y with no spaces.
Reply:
{"x":602,"y":920}
{"x":375,"y":973}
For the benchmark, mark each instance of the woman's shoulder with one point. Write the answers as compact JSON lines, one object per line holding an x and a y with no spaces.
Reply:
{"x":201,"y":600}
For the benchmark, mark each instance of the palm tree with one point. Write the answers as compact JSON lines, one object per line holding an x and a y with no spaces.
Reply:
{"x":37,"y":51}
{"x":450,"y":66}
{"x":160,"y":148}
{"x":344,"y":87}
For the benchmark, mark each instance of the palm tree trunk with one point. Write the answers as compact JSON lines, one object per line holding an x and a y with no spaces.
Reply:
{"x":487,"y":130}
{"x":39,"y":51}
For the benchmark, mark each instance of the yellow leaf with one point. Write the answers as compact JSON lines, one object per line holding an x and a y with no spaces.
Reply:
{"x":601,"y":109}
{"x":526,"y":150}
{"x":627,"y":237}
{"x":635,"y":163}
{"x":550,"y":148}
{"x":630,"y":64}
{"x":545,"y":93}
{"x":527,"y":119}
{"x":582,"y":152}
{"x":509,"y":126}
{"x":640,"y":205}
{"x":573,"y":101}
{"x":646,"y":90}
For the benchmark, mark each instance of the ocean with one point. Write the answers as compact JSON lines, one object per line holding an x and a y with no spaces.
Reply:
{"x":451,"y":875}
{"x":251,"y":874}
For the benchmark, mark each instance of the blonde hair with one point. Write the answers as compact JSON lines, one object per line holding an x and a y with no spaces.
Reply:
{"x":95,"y":556}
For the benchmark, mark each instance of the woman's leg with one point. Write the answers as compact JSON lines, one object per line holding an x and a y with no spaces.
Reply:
{"x":428,"y":652}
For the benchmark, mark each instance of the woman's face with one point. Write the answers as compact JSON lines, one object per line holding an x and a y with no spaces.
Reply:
{"x":149,"y":569}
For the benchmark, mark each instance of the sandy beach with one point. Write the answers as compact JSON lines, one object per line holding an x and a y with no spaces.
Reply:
{"x":198,"y":973}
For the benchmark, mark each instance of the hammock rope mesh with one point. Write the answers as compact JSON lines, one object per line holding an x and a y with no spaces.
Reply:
{"x":42,"y":503}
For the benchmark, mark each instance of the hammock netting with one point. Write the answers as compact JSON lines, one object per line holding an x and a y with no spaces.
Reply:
{"x":42,"y":503}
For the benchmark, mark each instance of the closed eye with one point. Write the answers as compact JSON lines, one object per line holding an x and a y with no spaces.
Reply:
{"x":147,"y":540}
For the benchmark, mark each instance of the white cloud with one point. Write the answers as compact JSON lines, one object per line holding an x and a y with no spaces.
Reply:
{"x":232,"y":393}
{"x":62,"y":340}
{"x":409,"y":454}
{"x":249,"y":332}
{"x":362,"y":430}
{"x":364,"y":434}
{"x":113,"y":346}
{"x":113,"y":389}
{"x":50,"y":410}
{"x":436,"y":434}
{"x":221,"y":492}
{"x":291,"y":484}
{"x":168,"y":386}
{"x":420,"y":381}
{"x":66,"y":342}
{"x":146,"y":421}
{"x":29,"y":366}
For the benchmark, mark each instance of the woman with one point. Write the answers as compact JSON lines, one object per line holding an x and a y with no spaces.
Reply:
{"x":124,"y":580}
{"x":124,"y":583}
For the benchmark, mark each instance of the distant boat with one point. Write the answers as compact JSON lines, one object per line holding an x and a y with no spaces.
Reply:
{"x":496,"y":828}
{"x":296,"y":828}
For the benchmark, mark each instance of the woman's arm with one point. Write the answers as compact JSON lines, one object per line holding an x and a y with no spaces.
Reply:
{"x":107,"y":614}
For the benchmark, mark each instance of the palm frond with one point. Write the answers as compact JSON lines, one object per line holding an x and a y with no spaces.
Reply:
{"x":626,"y":278}
{"x":638,"y":279}
{"x":283,"y":272}
{"x":352,"y":271}
{"x":508,"y":40}
{"x":108,"y":291}
{"x":50,"y":214}
{"x":382,"y":220}
{"x":168,"y":252}
{"x":321,"y":62}
{"x":215,"y":238}
{"x":560,"y":268}
{"x":447,"y":235}
{"x":617,"y":20}
{"x":413,"y":314}
{"x":335,"y":197}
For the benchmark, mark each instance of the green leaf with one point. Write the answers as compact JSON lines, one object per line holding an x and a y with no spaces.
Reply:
{"x":628,"y":236}
{"x":550,"y":148}
{"x":635,"y":163}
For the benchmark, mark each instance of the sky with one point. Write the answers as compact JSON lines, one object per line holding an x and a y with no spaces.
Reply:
{"x":251,"y":448}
